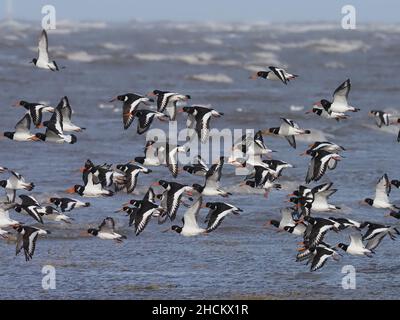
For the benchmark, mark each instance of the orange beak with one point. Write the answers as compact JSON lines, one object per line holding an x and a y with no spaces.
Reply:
{"x":70,"y":190}
{"x":303,"y":153}
{"x":113,"y":99}
{"x":82,"y":169}
{"x":16,"y":104}
{"x":155,"y":184}
{"x":180,"y":110}
{"x":40,"y":125}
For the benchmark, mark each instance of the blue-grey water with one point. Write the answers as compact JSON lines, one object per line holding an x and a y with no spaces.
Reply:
{"x":212,"y":63}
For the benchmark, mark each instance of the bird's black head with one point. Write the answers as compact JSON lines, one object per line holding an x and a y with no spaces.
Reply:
{"x":139,"y":160}
{"x":79,"y":189}
{"x":294,"y":200}
{"x":211,"y":205}
{"x":395,"y":214}
{"x":34,"y":61}
{"x":22,"y":103}
{"x":198,"y":187}
{"x":9,"y":135}
{"x":369,"y":201}
{"x":93,"y":231}
{"x":40,"y":136}
{"x":325,"y":103}
{"x":163,"y":183}
{"x":342,"y":246}
{"x":274,"y":223}
{"x":262,"y":74}
{"x":3,"y":183}
{"x":157,"y":92}
{"x":307,"y":131}
{"x":55,"y":201}
{"x":18,"y":228}
{"x":188,"y":110}
{"x":18,"y":208}
{"x":251,"y":183}
{"x":288,"y":228}
{"x":73,"y":139}
{"x":177,"y":229}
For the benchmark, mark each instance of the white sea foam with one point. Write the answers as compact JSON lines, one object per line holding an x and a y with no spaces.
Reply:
{"x":327,"y":45}
{"x":213,"y":41}
{"x":112,"y":46}
{"x":207,"y":77}
{"x":83,"y":56}
{"x":334,"y":65}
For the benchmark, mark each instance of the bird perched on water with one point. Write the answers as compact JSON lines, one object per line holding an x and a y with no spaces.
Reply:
{"x":27,"y":237}
{"x":274,"y":73}
{"x":68,"y":204}
{"x":288,"y":130}
{"x":15,"y":182}
{"x":106,"y":231}
{"x":35,"y":110}
{"x":131,"y":102}
{"x":382,"y":192}
{"x":167,"y":101}
{"x":22,"y":130}
{"x":339,"y":103}
{"x":198,"y":121}
{"x":43,"y":61}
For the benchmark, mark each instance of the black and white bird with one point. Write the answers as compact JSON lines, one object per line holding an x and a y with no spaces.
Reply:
{"x":106,"y":231}
{"x":167,"y":101}
{"x":68,"y":204}
{"x":55,"y":130}
{"x":31,"y":206}
{"x":288,"y":129}
{"x":146,"y":209}
{"x":43,"y":61}
{"x":320,"y":256}
{"x":35,"y":110}
{"x":382,"y":192}
{"x":198,"y":168}
{"x":322,"y":109}
{"x":154,"y":154}
{"x":339,"y":103}
{"x":325,"y":146}
{"x":263,"y":179}
{"x":172,"y":196}
{"x":381,"y":117}
{"x":217,"y":213}
{"x":131,"y":172}
{"x":376,"y":233}
{"x":347,"y":223}
{"x":52,"y":214}
{"x":198,"y":121}
{"x":274,"y":73}
{"x":15,"y":182}
{"x":321,"y":195}
{"x":27,"y":237}
{"x":5,"y":220}
{"x":190,"y":226}
{"x":356,"y":246}
{"x":171,"y":156}
{"x":317,"y":229}
{"x":287,"y":223}
{"x":22,"y":130}
{"x":320,"y":161}
{"x":213,"y":176}
{"x":92,"y":188}
{"x":145,"y":119}
{"x":66,"y":112}
{"x":131,"y":102}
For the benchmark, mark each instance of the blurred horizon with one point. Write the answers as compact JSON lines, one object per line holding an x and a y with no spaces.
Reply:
{"x":257,"y":11}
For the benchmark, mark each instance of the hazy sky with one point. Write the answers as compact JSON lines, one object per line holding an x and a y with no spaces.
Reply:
{"x":210,"y":10}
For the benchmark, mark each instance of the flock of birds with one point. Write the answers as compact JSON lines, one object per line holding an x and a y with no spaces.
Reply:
{"x":250,"y":152}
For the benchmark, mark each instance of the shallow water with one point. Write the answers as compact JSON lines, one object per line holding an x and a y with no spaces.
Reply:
{"x":242,"y":259}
